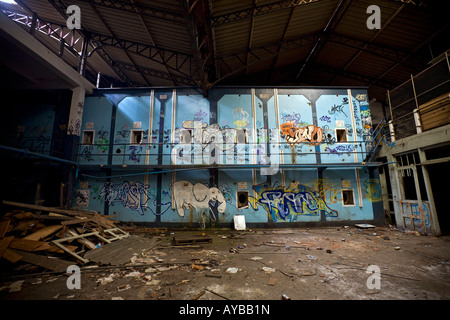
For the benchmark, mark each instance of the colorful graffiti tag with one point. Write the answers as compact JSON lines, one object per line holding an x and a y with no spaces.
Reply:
{"x":134,"y":195}
{"x":287,"y":204}
{"x":295,"y":135}
{"x":372,"y":189}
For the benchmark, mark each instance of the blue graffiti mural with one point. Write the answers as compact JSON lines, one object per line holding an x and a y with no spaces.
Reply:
{"x":136,"y":196}
{"x":287,"y":204}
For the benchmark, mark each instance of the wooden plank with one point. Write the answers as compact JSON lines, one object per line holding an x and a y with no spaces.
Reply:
{"x":11,"y":256}
{"x":54,"y":264}
{"x":4,"y":244}
{"x":3,"y":228}
{"x":75,"y":221}
{"x":83,"y":241}
{"x":25,"y":245}
{"x":182,"y":240}
{"x":33,"y":245}
{"x":48,"y":209}
{"x":44,"y":232}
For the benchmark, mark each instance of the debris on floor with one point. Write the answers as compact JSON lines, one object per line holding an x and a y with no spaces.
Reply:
{"x":54,"y":238}
{"x":317,"y":265}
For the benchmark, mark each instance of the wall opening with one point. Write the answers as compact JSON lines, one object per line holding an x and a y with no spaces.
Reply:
{"x":242,"y":199}
{"x":241,"y":136}
{"x":88,"y":137}
{"x":341,"y":135}
{"x":348,"y":197}
{"x":136,"y":136}
{"x":186,"y":136}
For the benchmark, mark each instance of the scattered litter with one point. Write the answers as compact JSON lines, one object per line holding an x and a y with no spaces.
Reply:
{"x":117,"y":298}
{"x":182,"y":282}
{"x":16,"y":286}
{"x":386,"y":238}
{"x":329,"y":251}
{"x":124,"y":287}
{"x":285,"y":297}
{"x":364,"y":226}
{"x":416,"y":233}
{"x":288,"y":248}
{"x":268,"y":270}
{"x":343,"y":239}
{"x":396,"y":248}
{"x":199,"y":295}
{"x":272,"y":281}
{"x":197,"y":267}
{"x":256,"y":258}
{"x":104,"y":280}
{"x":232,"y":270}
{"x":311,"y":257}
{"x":134,"y":274}
{"x":71,"y":296}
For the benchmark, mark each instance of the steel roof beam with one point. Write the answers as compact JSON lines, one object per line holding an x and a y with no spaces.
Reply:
{"x":99,"y":16}
{"x":332,"y":22}
{"x":61,"y":9}
{"x":141,"y":9}
{"x":176,"y":79}
{"x":257,"y":11}
{"x":197,"y":17}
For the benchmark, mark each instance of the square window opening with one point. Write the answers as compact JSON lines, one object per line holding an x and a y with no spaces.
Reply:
{"x":136,"y":136}
{"x":88,"y":137}
{"x":241,"y":136}
{"x":242,"y":199}
{"x":341,"y":135}
{"x":186,"y":136}
{"x":348,"y":197}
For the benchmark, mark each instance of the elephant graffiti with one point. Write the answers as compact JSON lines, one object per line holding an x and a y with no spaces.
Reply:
{"x":294,"y":135}
{"x":198,"y":197}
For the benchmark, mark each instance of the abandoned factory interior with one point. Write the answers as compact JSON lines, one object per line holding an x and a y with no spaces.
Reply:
{"x":249,"y":150}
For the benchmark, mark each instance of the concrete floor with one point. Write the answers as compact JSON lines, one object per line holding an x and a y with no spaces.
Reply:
{"x":304,"y":264}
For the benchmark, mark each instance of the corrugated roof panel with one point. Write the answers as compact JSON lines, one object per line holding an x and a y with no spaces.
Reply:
{"x":310,"y":18}
{"x":336,"y":55}
{"x":232,"y":38}
{"x":269,"y":28}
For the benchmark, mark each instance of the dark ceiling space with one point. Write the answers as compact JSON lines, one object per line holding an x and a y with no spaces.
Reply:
{"x":206,"y":43}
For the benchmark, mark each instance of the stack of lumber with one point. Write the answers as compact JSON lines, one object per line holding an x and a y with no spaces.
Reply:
{"x":34,"y":234}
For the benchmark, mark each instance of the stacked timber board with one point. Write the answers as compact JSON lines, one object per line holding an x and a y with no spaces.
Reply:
{"x":53,"y":238}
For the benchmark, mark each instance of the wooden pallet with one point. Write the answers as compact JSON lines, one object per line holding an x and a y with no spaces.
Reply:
{"x":184,"y":240}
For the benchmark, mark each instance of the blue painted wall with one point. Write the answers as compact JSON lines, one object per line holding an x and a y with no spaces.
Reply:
{"x":166,"y":179}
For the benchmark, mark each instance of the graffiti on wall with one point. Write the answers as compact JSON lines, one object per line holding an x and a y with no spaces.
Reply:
{"x":295,"y":135}
{"x":224,"y":138}
{"x":330,"y":190}
{"x":372,"y":189}
{"x":240,"y":118}
{"x":133,"y":195}
{"x":199,"y":197}
{"x":287,"y":204}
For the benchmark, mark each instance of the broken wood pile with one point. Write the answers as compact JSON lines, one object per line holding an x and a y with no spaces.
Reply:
{"x":53,"y":238}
